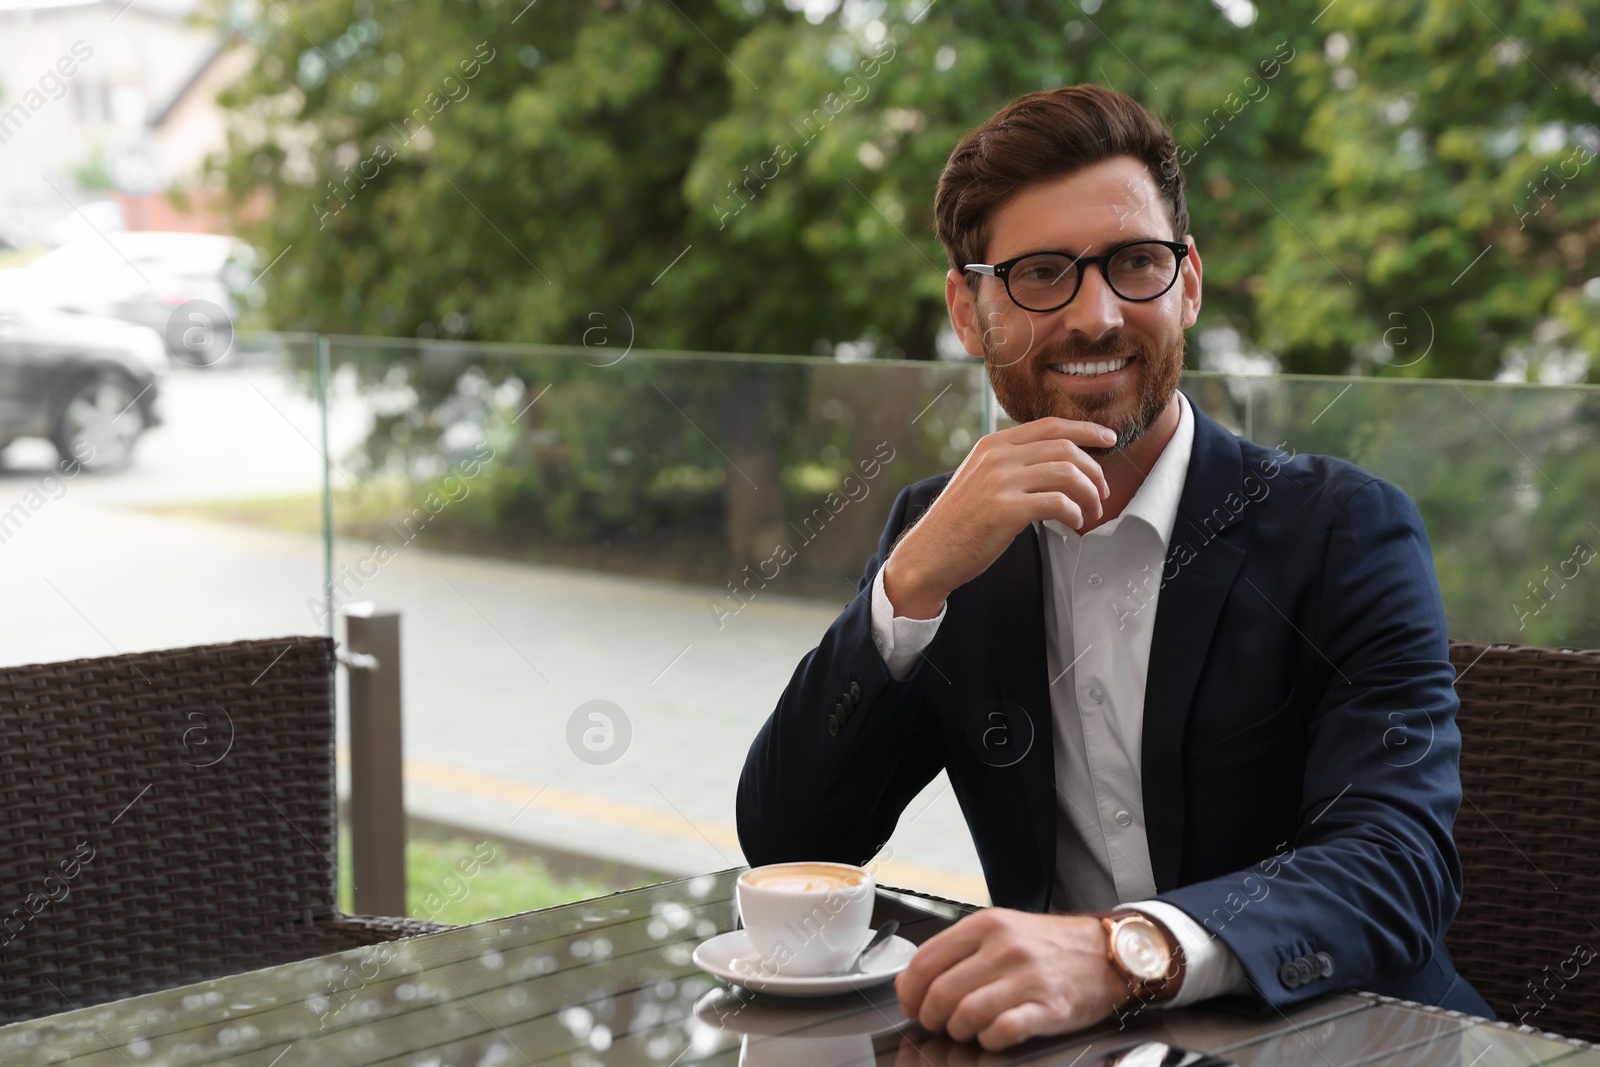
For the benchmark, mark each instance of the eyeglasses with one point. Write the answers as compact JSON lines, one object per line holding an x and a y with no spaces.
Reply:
{"x":1045,"y":281}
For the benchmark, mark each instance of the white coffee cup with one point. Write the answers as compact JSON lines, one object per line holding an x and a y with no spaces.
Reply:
{"x":805,"y":919}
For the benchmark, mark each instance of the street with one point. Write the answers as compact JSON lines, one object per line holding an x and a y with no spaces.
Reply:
{"x":499,"y":657}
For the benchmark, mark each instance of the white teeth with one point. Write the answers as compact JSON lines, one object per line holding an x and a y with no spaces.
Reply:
{"x":1089,"y":369}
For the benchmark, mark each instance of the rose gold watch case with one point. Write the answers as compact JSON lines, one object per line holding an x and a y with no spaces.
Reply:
{"x":1122,"y":926}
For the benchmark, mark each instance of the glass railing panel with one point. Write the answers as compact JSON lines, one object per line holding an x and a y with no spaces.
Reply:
{"x":608,"y":570}
{"x":100,"y":557}
{"x":1505,"y":476}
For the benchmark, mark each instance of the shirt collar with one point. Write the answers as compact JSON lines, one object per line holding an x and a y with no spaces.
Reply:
{"x":1155,"y":503}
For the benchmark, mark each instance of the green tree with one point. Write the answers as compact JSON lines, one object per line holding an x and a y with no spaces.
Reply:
{"x":393,"y":216}
{"x":1452,"y":191}
{"x":1401,"y":188}
{"x":741,"y":178}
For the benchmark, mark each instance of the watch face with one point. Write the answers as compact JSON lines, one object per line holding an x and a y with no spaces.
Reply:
{"x":1142,"y":950}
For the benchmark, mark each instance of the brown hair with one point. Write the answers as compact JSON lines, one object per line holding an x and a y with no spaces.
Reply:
{"x":1047,"y":135}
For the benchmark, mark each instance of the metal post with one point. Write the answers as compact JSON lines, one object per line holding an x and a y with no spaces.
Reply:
{"x":323,"y":370}
{"x":377,"y":789}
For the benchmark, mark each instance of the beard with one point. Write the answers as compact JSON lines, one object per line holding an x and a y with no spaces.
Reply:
{"x":1022,"y":388}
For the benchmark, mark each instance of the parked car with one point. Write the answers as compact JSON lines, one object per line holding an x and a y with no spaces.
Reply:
{"x":145,"y":277}
{"x":87,"y":383}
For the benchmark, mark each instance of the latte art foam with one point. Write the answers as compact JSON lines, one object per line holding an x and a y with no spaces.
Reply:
{"x":801,"y":883}
{"x":803,"y":878}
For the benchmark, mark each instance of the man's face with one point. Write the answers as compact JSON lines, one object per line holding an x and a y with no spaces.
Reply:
{"x":1031,"y":356}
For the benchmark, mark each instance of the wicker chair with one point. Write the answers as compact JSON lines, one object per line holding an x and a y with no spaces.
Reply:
{"x":1529,"y":834}
{"x":169,"y":817}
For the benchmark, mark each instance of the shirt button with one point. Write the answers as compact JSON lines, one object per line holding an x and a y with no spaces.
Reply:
{"x":1097,"y":694}
{"x":1123,"y":818}
{"x":1094,"y":580}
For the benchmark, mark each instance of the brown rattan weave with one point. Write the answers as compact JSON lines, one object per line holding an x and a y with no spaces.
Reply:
{"x":1528,"y":933}
{"x":169,"y":817}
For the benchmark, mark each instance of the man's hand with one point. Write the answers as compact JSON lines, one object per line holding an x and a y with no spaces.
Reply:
{"x":1015,"y":476}
{"x":1004,"y":976}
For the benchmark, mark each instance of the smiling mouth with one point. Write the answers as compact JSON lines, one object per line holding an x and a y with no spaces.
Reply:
{"x":1090,"y":368}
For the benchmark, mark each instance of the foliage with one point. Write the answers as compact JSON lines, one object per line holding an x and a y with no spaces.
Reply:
{"x":1503,"y":475}
{"x":507,"y":172}
{"x":1399,"y":188}
{"x":1443,"y":133}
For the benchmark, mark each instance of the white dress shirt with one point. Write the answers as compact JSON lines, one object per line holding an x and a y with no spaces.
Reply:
{"x":1100,"y":593}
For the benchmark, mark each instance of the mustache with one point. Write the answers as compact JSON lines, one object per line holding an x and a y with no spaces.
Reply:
{"x":1069,"y":350}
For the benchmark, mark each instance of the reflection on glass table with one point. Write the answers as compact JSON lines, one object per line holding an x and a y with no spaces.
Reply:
{"x":610,"y":981}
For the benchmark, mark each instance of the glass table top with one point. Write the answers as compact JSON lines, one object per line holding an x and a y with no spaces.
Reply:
{"x":610,"y":981}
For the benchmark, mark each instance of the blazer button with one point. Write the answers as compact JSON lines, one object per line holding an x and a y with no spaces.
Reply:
{"x":1327,"y":964}
{"x":855,"y":692}
{"x":833,"y":726}
{"x":840,"y":712}
{"x":1289,"y":976}
{"x":1309,"y":968}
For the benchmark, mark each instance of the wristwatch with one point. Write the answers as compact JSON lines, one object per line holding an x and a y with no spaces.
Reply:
{"x":1144,"y":953}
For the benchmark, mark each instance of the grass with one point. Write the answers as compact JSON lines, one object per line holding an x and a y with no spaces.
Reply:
{"x":377,"y":513}
{"x":377,"y":508}
{"x":492,"y":883}
{"x":298,"y":513}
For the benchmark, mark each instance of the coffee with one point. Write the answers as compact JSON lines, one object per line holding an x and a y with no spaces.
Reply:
{"x":805,"y":918}
{"x":805,"y":877}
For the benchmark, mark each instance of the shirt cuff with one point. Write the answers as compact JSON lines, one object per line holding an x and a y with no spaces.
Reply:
{"x":900,"y":639}
{"x":1211,"y":968}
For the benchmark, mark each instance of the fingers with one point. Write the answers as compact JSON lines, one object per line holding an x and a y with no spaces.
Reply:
{"x":1058,"y":506}
{"x":1055,"y":455}
{"x":1075,"y":430}
{"x":1016,"y":1023}
{"x":968,"y":999}
{"x":1012,"y":1006}
{"x":1046,"y":487}
{"x":938,"y":954}
{"x":1004,"y":976}
{"x":963,"y":999}
{"x":1051,"y":478}
{"x":1011,"y":478}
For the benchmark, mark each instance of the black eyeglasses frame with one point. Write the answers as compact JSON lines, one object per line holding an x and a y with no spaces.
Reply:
{"x":1002,"y":270}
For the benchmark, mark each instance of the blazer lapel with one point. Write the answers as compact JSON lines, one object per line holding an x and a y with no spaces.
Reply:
{"x":1014,"y":607}
{"x":1203,"y":565}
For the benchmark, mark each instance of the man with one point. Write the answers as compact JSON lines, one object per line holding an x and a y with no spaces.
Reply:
{"x":1179,"y":680}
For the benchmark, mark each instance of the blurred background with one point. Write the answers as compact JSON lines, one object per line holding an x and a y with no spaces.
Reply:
{"x":596,"y":337}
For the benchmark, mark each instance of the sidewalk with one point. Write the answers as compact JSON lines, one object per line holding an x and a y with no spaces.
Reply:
{"x":498,"y":656}
{"x":486,"y":736}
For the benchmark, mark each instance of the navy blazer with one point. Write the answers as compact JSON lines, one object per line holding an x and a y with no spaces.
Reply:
{"x":1300,"y":759}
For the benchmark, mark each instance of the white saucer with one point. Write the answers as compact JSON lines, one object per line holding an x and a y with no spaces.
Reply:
{"x":732,"y":958}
